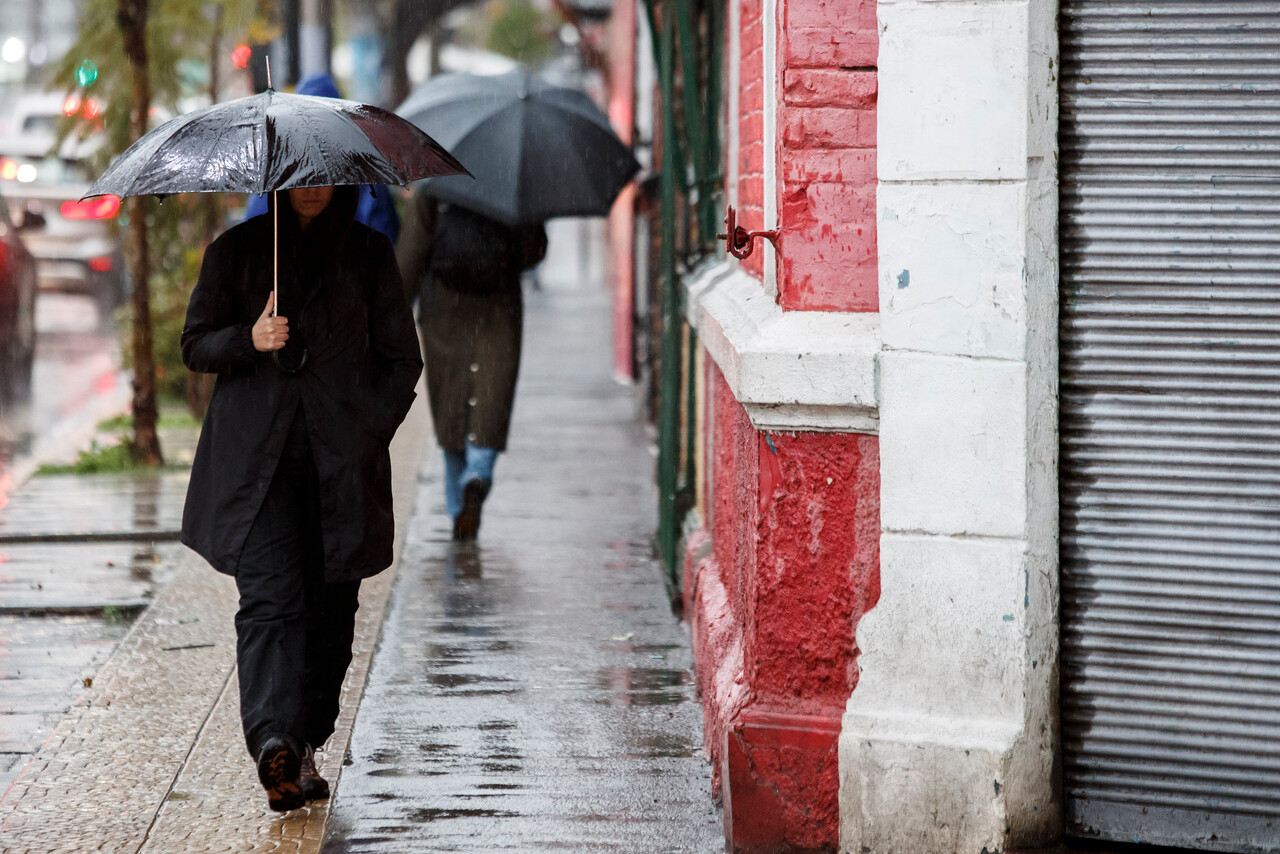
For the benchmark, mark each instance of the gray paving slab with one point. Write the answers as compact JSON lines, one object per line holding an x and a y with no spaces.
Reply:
{"x":534,"y":691}
{"x":107,"y":503}
{"x":68,"y":577}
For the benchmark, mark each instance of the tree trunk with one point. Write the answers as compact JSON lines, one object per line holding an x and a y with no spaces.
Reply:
{"x":408,"y":20}
{"x":131,"y":16}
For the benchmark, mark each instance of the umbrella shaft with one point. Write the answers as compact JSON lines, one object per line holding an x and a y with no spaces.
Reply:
{"x":275,"y":254}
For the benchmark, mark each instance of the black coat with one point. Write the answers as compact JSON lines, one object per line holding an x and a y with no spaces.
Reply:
{"x":340,"y":290}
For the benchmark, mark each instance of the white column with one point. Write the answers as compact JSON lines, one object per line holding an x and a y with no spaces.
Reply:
{"x":949,"y":740}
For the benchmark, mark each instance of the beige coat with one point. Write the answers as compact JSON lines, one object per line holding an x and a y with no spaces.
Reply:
{"x":464,"y":270}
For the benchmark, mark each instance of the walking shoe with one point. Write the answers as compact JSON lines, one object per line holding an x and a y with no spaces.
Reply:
{"x":314,"y":787}
{"x":278,"y":765}
{"x":467,"y":523}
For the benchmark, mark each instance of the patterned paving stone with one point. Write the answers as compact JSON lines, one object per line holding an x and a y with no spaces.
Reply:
{"x":151,"y":757}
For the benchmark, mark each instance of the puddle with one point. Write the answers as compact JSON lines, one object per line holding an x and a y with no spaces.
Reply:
{"x":424,"y":816}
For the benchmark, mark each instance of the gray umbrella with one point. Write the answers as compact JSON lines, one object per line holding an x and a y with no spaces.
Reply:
{"x":541,"y":151}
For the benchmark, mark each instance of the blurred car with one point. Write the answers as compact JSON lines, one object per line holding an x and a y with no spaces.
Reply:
{"x":76,"y":248}
{"x":17,"y":307}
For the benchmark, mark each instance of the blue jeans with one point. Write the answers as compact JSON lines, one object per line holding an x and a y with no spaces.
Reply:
{"x":460,"y":468}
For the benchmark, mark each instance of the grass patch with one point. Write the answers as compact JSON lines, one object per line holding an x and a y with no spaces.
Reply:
{"x":96,"y":460}
{"x":174,"y":415}
{"x":117,"y":456}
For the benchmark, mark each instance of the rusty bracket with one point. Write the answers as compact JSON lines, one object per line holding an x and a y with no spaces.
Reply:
{"x":743,"y":241}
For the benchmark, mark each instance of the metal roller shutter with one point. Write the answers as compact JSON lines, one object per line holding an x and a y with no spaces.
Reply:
{"x":1170,"y":421}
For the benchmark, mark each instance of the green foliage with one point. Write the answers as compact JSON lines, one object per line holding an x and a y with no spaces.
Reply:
{"x":180,"y":35}
{"x":173,"y":415}
{"x":117,"y":456}
{"x":175,"y":230}
{"x":522,"y":31}
{"x":98,"y":459}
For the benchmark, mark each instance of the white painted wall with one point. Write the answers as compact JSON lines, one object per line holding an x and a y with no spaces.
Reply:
{"x":948,"y":743}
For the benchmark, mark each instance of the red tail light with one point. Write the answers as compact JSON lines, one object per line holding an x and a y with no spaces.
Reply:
{"x":103,"y":207}
{"x":101,"y":263}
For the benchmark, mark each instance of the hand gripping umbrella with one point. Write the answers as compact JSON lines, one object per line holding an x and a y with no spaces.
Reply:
{"x":546,"y":150}
{"x":275,"y":141}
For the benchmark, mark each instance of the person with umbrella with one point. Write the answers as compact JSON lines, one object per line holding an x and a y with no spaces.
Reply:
{"x":548,"y":151}
{"x":467,"y":270}
{"x":302,"y":316}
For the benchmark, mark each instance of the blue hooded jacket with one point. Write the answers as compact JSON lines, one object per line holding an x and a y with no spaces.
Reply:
{"x":375,"y":208}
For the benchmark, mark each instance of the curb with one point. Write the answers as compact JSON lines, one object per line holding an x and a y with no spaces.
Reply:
{"x":167,"y":536}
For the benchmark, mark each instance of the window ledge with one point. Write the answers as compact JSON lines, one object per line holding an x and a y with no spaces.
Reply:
{"x":792,"y":371}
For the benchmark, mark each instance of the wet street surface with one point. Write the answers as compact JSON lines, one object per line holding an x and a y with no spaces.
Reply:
{"x":75,"y":382}
{"x":534,"y":691}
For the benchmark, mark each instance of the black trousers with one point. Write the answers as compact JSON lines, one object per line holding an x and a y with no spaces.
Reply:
{"x":293,"y":631}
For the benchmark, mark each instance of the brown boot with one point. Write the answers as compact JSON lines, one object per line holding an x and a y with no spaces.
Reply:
{"x":278,"y":765}
{"x":314,"y":787}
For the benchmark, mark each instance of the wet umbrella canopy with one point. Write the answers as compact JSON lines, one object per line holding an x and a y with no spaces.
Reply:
{"x":545,"y":150}
{"x":275,"y":141}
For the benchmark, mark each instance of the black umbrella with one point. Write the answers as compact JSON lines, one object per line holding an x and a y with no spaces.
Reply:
{"x":275,"y":141}
{"x":545,"y":150}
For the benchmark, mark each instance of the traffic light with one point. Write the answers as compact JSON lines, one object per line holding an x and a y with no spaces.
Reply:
{"x":241,"y":55}
{"x":86,"y":73}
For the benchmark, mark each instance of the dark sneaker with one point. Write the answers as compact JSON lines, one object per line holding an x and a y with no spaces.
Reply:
{"x":314,"y":787}
{"x":278,"y":766}
{"x":467,"y":524}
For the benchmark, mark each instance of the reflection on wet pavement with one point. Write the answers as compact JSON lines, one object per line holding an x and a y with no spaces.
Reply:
{"x":534,"y":692}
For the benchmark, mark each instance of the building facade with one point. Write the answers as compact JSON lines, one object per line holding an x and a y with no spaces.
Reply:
{"x":983,"y":445}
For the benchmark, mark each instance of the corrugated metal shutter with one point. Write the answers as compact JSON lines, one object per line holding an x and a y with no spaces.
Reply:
{"x":1170,"y":421}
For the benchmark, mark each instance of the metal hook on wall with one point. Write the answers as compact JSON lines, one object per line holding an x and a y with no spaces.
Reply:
{"x":738,"y":240}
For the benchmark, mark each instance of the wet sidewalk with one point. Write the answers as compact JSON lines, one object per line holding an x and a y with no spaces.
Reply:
{"x":533,"y":691}
{"x":529,"y":692}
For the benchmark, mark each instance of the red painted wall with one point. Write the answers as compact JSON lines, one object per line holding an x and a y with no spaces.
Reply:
{"x":622,"y":98}
{"x":793,"y":564}
{"x":827,"y":155}
{"x":788,"y":559}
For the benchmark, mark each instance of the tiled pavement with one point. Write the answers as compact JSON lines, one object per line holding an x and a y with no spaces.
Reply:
{"x":150,"y":757}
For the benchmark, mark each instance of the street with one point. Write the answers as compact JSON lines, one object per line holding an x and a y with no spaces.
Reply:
{"x":76,"y":382}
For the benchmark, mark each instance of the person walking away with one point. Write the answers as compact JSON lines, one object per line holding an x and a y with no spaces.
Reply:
{"x":290,"y":490}
{"x":376,"y":208}
{"x":465,"y":269}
